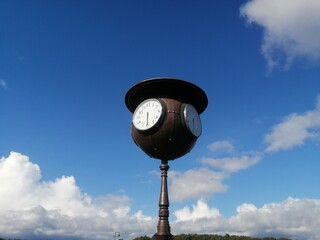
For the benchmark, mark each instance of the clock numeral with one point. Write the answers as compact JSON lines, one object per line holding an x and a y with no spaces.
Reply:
{"x":147,"y":114}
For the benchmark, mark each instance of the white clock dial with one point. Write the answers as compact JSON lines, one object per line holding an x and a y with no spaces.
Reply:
{"x":148,"y":114}
{"x":192,"y":120}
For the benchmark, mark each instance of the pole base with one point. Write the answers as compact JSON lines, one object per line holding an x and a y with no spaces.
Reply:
{"x":162,"y":237}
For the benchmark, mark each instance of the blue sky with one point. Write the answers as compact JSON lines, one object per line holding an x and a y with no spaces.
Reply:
{"x":67,"y":157}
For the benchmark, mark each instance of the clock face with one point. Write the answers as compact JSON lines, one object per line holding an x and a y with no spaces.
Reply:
{"x":192,"y":120}
{"x":148,"y":114}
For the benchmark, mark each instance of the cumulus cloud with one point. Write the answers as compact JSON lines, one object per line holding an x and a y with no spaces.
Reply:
{"x":232,"y":164}
{"x":294,"y":130}
{"x":195,"y":183}
{"x":221,"y":145}
{"x":292,"y":218}
{"x":291,"y":29}
{"x":59,"y":209}
{"x":199,"y":211}
{"x":209,"y":178}
{"x":33,"y":209}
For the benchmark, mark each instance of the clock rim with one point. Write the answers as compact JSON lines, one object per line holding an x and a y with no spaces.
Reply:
{"x":173,"y":88}
{"x":158,"y":123}
{"x":184,"y":106}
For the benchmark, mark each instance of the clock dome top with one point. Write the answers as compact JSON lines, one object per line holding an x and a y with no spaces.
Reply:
{"x":180,"y":90}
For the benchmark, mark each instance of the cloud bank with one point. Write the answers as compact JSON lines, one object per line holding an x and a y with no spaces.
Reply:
{"x":291,"y":29}
{"x":292,"y":218}
{"x":34,"y":209}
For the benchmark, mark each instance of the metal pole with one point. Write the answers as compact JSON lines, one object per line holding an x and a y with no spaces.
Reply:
{"x":163,"y":228}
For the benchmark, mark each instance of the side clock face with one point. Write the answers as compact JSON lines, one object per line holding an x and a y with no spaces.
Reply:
{"x":192,"y":120}
{"x":148,"y":114}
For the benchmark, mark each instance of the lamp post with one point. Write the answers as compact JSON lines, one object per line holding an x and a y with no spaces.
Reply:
{"x":163,"y":228}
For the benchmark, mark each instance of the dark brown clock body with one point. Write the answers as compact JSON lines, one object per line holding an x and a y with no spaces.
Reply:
{"x":170,"y":140}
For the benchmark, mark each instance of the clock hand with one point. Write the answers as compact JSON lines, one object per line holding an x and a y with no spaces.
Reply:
{"x":192,"y":123}
{"x":147,"y":118}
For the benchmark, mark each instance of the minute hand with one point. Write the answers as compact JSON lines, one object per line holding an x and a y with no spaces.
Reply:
{"x":147,"y":118}
{"x":192,"y":124}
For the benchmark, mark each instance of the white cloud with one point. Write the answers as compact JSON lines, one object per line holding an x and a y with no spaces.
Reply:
{"x":205,"y":181}
{"x":199,"y":211}
{"x":294,"y":130}
{"x":232,"y":164}
{"x":291,"y":29}
{"x":57,"y":209}
{"x":33,"y":209}
{"x":3,"y":84}
{"x":246,"y":208}
{"x":195,"y":183}
{"x":292,"y":218}
{"x":221,"y":145}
